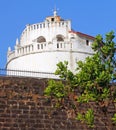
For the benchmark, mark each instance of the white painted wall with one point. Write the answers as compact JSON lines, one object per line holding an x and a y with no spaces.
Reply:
{"x":27,"y":56}
{"x":46,"y":61}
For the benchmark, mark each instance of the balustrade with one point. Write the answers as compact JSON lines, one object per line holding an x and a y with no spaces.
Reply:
{"x":49,"y":24}
{"x":11,"y":55}
{"x":35,"y":47}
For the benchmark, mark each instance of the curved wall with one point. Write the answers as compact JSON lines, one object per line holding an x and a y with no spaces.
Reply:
{"x":45,"y":61}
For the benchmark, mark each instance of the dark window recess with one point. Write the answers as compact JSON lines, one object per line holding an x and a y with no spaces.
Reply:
{"x":87,"y":42}
{"x":41,"y":46}
{"x":38,"y":46}
{"x":61,"y":45}
{"x":41,"y":39}
{"x":60,"y":39}
{"x":52,"y":19}
{"x":57,"y":45}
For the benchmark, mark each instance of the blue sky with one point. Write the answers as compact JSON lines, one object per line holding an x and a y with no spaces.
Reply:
{"x":88,"y":16}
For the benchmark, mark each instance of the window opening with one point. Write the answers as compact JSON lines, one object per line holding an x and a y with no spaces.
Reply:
{"x":57,"y":45}
{"x":41,"y":46}
{"x":87,"y":42}
{"x":38,"y":46}
{"x":52,"y":19}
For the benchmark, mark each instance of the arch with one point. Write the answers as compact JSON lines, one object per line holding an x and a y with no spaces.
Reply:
{"x":60,"y":38}
{"x":72,"y":36}
{"x":41,"y":39}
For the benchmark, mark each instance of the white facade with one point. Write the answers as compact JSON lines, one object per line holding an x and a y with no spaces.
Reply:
{"x":43,"y":45}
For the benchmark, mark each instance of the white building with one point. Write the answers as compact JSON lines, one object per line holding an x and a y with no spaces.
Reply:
{"x":43,"y":45}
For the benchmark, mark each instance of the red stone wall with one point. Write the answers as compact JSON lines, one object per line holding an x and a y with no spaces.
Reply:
{"x":23,"y":107}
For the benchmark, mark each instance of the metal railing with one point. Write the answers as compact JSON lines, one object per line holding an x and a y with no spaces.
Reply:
{"x":25,"y":73}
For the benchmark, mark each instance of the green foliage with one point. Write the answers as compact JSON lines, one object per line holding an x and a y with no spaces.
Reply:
{"x":64,"y":73}
{"x":62,"y":70}
{"x":105,"y":93}
{"x":55,"y":89}
{"x":80,"y":117}
{"x":86,"y":97}
{"x":96,"y":72}
{"x":114,"y":118}
{"x":106,"y":50}
{"x":88,"y":117}
{"x":92,"y":71}
{"x":92,"y":82}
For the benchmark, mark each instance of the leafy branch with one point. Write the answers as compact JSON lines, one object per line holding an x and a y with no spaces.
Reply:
{"x":91,"y":83}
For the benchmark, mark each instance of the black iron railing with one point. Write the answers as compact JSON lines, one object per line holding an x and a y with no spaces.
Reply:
{"x":25,"y":73}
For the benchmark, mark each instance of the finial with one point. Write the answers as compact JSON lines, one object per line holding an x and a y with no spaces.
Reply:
{"x":17,"y":41}
{"x":55,"y":11}
{"x":9,"y":49}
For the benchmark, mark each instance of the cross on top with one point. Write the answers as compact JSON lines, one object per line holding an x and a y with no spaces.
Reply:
{"x":55,"y":11}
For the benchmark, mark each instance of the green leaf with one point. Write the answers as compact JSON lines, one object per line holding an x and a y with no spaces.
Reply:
{"x":114,"y":118}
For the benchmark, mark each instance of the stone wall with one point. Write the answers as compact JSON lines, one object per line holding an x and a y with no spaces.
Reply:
{"x":23,"y":107}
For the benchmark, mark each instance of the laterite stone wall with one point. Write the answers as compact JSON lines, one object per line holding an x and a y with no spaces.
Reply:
{"x":23,"y":107}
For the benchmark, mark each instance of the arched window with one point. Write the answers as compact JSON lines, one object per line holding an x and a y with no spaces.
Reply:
{"x":41,"y":39}
{"x":60,"y":38}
